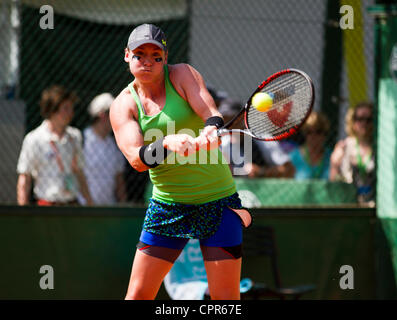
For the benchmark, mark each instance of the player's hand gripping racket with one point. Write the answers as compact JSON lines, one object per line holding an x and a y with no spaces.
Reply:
{"x":290,"y":100}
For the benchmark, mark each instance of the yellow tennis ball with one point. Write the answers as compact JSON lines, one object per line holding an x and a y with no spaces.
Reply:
{"x":262,"y":101}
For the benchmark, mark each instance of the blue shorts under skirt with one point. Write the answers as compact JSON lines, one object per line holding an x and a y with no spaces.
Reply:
{"x":228,"y":234}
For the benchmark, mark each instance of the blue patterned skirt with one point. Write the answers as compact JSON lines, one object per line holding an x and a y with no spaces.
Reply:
{"x":187,"y":220}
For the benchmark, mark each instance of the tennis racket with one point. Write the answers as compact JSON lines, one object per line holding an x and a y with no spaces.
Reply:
{"x":292,"y":91}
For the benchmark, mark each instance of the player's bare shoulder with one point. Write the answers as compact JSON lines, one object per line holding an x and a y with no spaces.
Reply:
{"x":124,"y":106}
{"x":181,"y":71}
{"x":182,"y":75}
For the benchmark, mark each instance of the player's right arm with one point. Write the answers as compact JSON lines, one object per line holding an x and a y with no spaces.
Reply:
{"x":129,"y":137}
{"x":128,"y":134}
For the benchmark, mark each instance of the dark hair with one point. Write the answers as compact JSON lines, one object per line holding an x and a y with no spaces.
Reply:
{"x":52,"y":98}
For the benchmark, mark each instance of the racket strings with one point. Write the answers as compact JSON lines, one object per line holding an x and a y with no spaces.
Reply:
{"x":292,"y":97}
{"x":260,"y":119}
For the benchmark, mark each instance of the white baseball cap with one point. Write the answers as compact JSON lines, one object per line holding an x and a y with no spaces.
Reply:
{"x":100,"y":103}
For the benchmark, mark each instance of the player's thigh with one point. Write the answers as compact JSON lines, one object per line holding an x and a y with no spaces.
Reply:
{"x":224,"y":278}
{"x":147,"y":275}
{"x":228,"y":269}
{"x":222,"y":257}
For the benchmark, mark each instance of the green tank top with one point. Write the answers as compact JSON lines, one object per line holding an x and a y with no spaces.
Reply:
{"x":199,"y":178}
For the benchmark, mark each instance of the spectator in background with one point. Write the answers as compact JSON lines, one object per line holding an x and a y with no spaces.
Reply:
{"x":104,"y":163}
{"x":353,"y":159}
{"x":264,"y":159}
{"x":52,"y":156}
{"x":312,"y":159}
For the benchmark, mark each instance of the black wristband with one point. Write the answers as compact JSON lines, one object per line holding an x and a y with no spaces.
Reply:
{"x":214,"y":121}
{"x":154,"y":153}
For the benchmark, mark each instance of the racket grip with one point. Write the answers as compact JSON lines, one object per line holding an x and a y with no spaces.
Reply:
{"x":222,"y":132}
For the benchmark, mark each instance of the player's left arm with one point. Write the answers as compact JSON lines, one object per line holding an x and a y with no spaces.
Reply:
{"x":191,"y":86}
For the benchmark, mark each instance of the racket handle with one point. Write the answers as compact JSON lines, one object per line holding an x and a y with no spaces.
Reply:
{"x":222,"y":132}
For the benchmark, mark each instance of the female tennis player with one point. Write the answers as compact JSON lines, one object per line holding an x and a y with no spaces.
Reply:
{"x":193,"y":195}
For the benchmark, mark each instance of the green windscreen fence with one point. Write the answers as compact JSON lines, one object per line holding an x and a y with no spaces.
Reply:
{"x":257,"y":193}
{"x":387,"y":144}
{"x":90,"y":251}
{"x":386,"y":52}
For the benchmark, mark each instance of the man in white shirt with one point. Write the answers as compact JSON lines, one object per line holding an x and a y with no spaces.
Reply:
{"x":51,"y":155}
{"x":104,"y":163}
